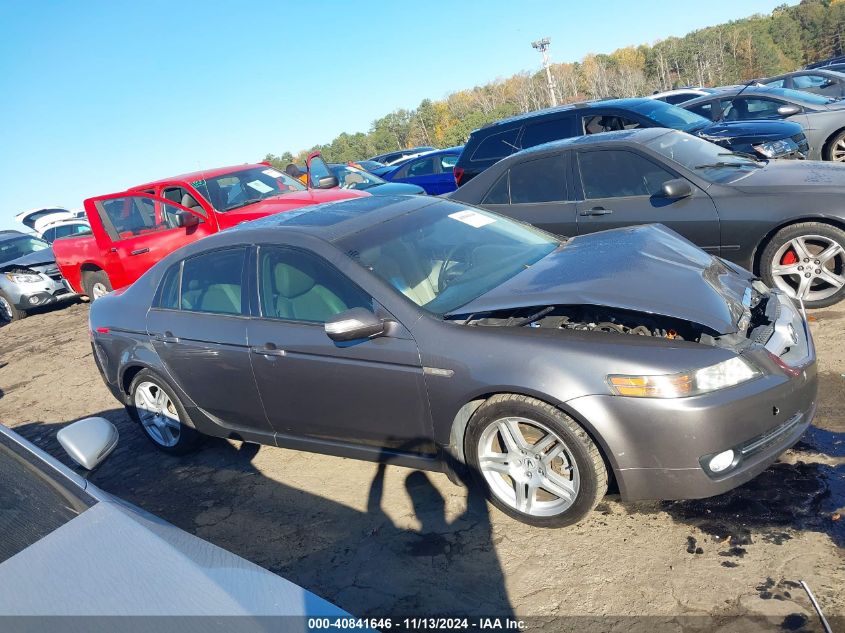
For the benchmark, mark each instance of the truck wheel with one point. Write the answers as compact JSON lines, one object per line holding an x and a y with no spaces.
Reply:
{"x":8,"y":311}
{"x":95,"y":284}
{"x":155,"y":406}
{"x":535,"y":463}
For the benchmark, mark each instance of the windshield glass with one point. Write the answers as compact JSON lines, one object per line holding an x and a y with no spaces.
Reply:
{"x":707,"y":159}
{"x":800,"y":96}
{"x":20,"y":246}
{"x":349,"y":177}
{"x":444,"y":255}
{"x":667,"y":115}
{"x":240,"y":188}
{"x":32,"y":504}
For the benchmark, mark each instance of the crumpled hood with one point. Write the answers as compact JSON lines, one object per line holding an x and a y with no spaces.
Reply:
{"x":287,"y":202}
{"x":794,"y":176}
{"x":749,"y":131}
{"x":647,"y":268}
{"x":39,"y":258}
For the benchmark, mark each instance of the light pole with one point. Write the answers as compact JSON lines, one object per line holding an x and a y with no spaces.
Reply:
{"x":543,"y":46}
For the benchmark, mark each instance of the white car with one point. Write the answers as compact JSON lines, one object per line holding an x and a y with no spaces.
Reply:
{"x":51,"y":223}
{"x":679,"y":95}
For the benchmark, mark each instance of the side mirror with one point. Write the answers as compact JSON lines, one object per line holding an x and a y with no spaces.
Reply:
{"x":88,"y":442}
{"x":319,"y":174}
{"x":789,"y":109}
{"x":186,"y":219}
{"x":327,"y":182}
{"x":354,"y":324}
{"x":676,"y":188}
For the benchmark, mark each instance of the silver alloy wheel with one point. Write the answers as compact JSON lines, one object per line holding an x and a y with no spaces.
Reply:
{"x":157,"y":414}
{"x":837,"y":152}
{"x":810,"y":267}
{"x":528,"y":466}
{"x":98,"y":290}
{"x":5,"y":310}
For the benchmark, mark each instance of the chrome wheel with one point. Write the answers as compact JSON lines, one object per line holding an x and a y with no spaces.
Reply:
{"x":528,"y":466}
{"x":6,"y":313}
{"x":98,"y":290}
{"x":810,"y":267}
{"x":837,"y":150}
{"x":157,"y":414}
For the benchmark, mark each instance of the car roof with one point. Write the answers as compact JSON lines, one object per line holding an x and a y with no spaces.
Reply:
{"x":202,"y":174}
{"x":8,"y":234}
{"x":569,"y":107}
{"x":638,"y":135}
{"x":761,"y":91}
{"x":457,"y":149}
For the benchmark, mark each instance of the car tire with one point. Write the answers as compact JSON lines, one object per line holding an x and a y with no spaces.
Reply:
{"x":791,"y":255}
{"x":157,"y":409}
{"x":8,"y":311}
{"x":835,"y":148}
{"x":95,"y":284}
{"x":562,"y":475}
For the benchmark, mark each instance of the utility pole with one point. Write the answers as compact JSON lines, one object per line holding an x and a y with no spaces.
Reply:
{"x":543,"y":46}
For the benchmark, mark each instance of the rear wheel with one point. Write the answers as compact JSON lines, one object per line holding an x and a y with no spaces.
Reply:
{"x":157,"y":408}
{"x":95,"y":284}
{"x":807,"y":261}
{"x":534,"y":461}
{"x":835,"y":150}
{"x":8,"y":311}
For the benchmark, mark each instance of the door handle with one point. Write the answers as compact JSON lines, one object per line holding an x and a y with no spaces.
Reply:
{"x":268,"y":349}
{"x":596,"y":211}
{"x":167,"y":337}
{"x":140,"y":251}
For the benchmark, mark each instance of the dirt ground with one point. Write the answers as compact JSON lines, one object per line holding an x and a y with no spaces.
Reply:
{"x":393,"y":541}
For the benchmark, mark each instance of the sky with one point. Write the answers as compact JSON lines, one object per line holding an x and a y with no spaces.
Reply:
{"x":98,"y":96}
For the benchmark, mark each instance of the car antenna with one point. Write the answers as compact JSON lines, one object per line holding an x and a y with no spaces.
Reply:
{"x":747,"y":85}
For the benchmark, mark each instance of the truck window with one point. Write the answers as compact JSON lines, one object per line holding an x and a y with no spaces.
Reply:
{"x":131,"y":216}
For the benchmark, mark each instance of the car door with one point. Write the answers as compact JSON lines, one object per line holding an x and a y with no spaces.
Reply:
{"x":368,"y":392}
{"x":537,"y":190}
{"x":198,"y":327}
{"x":423,"y":171}
{"x":751,"y":107}
{"x":621,"y":187}
{"x":141,"y":229}
{"x":445,"y":181}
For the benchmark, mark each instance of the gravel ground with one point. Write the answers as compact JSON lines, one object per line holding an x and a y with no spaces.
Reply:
{"x":393,"y":541}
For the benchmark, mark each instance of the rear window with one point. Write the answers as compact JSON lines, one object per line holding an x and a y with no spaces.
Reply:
{"x":496,"y":146}
{"x":32,"y":503}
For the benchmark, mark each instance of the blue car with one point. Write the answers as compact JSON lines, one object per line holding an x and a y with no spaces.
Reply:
{"x":349,"y":177}
{"x":433,"y":171}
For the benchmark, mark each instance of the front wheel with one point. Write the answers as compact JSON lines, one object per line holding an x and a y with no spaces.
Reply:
{"x":157,"y":408}
{"x":835,"y":150}
{"x":8,"y":311}
{"x":534,"y":461}
{"x":807,"y":262}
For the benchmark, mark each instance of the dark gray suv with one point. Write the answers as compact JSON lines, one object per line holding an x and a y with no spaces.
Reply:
{"x":427,"y":333}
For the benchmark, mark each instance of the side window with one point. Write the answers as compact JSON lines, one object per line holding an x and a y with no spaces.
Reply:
{"x":49,"y":235}
{"x":619,"y":174}
{"x":136,"y":215}
{"x":182,"y":196}
{"x":496,"y":146}
{"x":598,"y":123}
{"x":499,"y":193}
{"x":448,"y":162}
{"x":422,"y":167}
{"x":679,"y":98}
{"x":802,"y":82}
{"x":80,"y":228}
{"x":541,"y":180}
{"x":212,"y":282}
{"x":777,"y":83}
{"x":63,"y":231}
{"x":746,"y":108}
{"x":704,"y":109}
{"x":548,"y":131}
{"x":298,"y":286}
{"x":168,"y":292}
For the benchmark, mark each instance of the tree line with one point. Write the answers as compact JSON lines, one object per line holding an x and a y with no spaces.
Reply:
{"x":729,"y":53}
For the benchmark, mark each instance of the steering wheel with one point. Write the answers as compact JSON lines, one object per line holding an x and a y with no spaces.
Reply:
{"x":448,"y":273}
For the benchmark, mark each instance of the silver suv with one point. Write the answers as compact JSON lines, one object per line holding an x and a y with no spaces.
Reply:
{"x":29,"y":277}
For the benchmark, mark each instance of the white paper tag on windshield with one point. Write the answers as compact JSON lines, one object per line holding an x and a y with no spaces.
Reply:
{"x":272,"y":173}
{"x":473,"y":218}
{"x":259,"y":186}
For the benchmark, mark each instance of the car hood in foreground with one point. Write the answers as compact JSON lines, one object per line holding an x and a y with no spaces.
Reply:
{"x":395,"y":189}
{"x":118,"y":560}
{"x":287,"y":202}
{"x":750,"y":131}
{"x":38,"y":258}
{"x":647,"y":269}
{"x":796,"y":176}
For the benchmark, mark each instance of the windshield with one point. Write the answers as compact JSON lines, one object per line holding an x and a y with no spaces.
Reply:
{"x":668,"y":115}
{"x":799,"y":96}
{"x":707,"y":159}
{"x":240,"y":188}
{"x":20,"y":246}
{"x":444,"y":255}
{"x":349,"y":177}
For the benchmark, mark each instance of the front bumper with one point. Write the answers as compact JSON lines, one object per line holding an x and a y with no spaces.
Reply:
{"x":656,"y":446}
{"x":36,"y":295}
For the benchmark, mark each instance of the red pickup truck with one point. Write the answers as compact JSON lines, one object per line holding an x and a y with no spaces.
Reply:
{"x":132,"y":230}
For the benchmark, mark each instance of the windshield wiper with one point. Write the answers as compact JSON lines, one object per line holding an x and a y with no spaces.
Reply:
{"x":727,"y":164}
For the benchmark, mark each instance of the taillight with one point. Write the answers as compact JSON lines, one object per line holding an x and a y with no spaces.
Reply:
{"x":102,"y":330}
{"x":459,"y":175}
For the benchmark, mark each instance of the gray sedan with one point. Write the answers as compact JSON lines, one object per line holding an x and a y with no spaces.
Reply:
{"x":71,"y":549}
{"x":428,"y":333}
{"x":822,"y":118}
{"x":820,"y":81}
